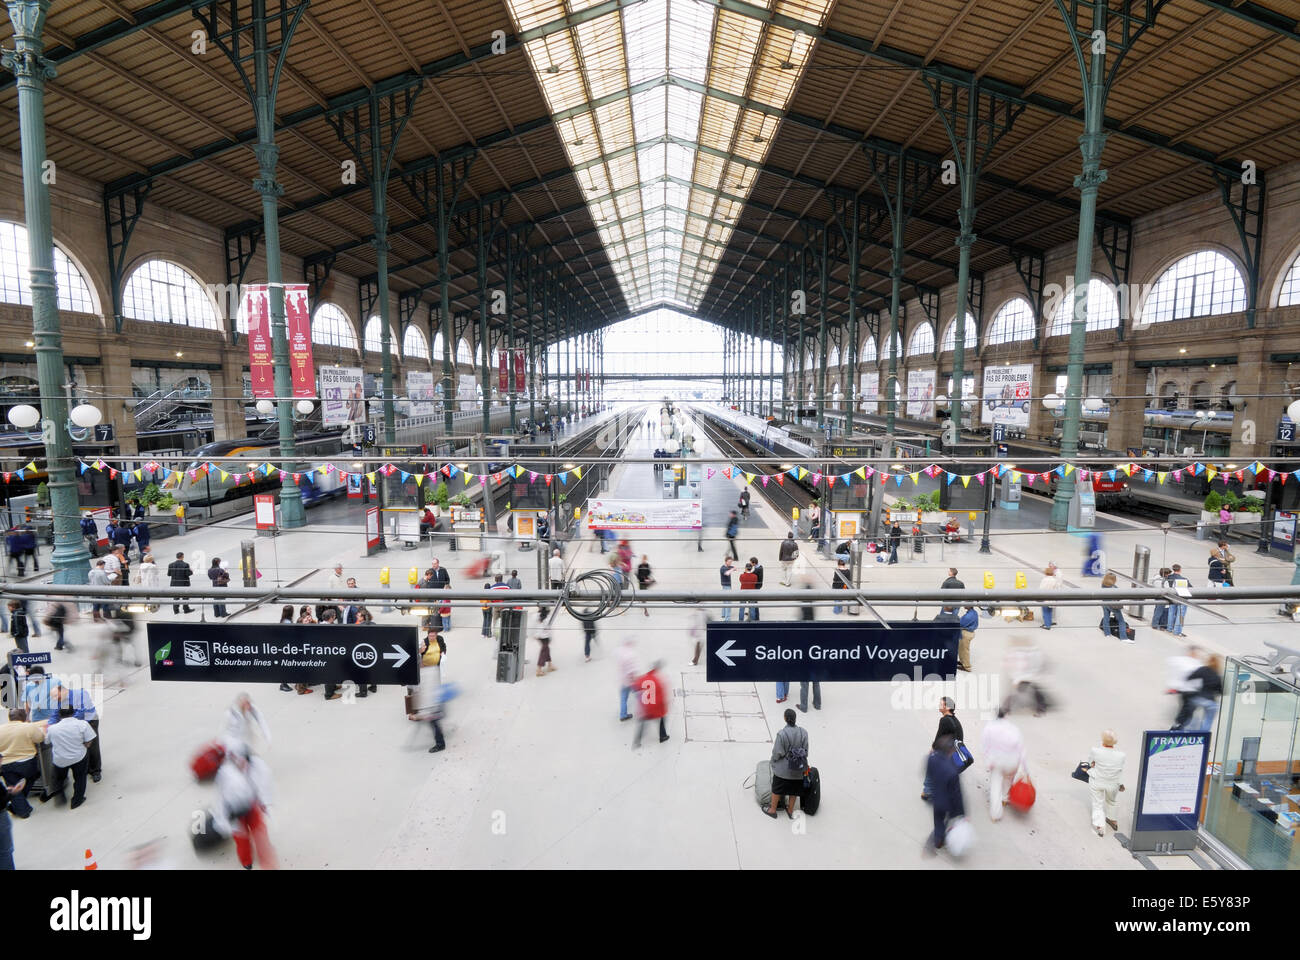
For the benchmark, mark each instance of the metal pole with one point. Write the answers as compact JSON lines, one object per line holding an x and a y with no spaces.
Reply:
{"x":854,"y":253}
{"x":444,"y":300}
{"x":895,"y":298}
{"x":821,"y":300}
{"x":965,"y":240}
{"x":1088,"y":182}
{"x":31,"y":70}
{"x":484,"y":229}
{"x":985,"y":546}
{"x":379,"y":201}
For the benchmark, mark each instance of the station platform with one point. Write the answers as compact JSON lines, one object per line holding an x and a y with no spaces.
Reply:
{"x":542,"y":774}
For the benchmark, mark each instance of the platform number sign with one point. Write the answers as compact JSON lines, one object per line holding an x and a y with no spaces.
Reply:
{"x":368,"y":435}
{"x":1286,"y":431}
{"x":999,"y":432}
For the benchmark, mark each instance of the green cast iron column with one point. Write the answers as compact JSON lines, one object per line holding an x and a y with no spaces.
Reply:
{"x":31,"y":70}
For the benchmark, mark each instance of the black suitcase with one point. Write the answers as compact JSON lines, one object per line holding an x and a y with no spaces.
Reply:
{"x":208,"y":838}
{"x":1112,"y":628}
{"x":812,"y":795}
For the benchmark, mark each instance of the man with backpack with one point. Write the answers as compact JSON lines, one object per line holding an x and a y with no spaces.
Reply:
{"x":733,"y":528}
{"x":789,"y":764}
{"x":787,"y":555}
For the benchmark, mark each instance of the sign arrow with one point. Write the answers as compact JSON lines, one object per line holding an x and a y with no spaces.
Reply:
{"x":726,"y":652}
{"x":399,"y":657}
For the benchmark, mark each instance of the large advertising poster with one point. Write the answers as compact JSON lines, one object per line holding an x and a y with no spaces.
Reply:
{"x":1007,"y":393}
{"x":503,"y":374}
{"x":342,"y":397}
{"x":521,"y":381}
{"x":257,"y":310}
{"x":298,"y":321}
{"x":920,"y":393}
{"x":870,"y":392}
{"x":419,"y":390}
{"x":644,"y":515}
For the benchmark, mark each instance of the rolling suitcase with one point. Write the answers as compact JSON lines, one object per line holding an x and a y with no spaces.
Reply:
{"x":812,"y":795}
{"x":208,"y":838}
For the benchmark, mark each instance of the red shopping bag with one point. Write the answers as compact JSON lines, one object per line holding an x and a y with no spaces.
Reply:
{"x":1022,"y":795}
{"x":207,"y":761}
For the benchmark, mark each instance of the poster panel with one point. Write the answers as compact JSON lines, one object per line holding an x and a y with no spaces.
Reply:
{"x":521,"y":382}
{"x":644,"y":515}
{"x":420,"y":391}
{"x":257,"y":310}
{"x":1007,"y":395}
{"x":298,"y":320}
{"x":920,"y":394}
{"x":342,"y":396}
{"x":870,"y":391}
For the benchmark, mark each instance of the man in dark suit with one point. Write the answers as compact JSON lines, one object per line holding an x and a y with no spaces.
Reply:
{"x":178,"y":573}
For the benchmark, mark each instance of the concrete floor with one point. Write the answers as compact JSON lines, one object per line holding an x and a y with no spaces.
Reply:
{"x":541,"y":773}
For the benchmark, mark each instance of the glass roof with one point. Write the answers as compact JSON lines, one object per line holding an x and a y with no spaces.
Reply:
{"x":666,"y":109}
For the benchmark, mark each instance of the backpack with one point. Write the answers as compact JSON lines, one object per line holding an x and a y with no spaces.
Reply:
{"x":797,"y":755}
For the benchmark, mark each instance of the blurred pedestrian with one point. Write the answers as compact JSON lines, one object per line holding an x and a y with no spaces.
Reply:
{"x":243,"y":724}
{"x":1051,"y":581}
{"x":840,"y":581}
{"x":653,"y":692}
{"x":1105,"y":768}
{"x":1024,"y":667}
{"x":733,"y":528}
{"x":941,"y":772}
{"x":949,"y":726}
{"x":629,"y":671}
{"x":542,"y":634}
{"x":1003,"y":747}
{"x":18,"y":625}
{"x":1160,"y":618}
{"x":244,"y":790}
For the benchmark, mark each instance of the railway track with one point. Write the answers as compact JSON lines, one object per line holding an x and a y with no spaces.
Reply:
{"x":782,"y":496}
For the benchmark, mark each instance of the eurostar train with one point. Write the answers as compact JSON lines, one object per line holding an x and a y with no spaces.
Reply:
{"x":209,"y":491}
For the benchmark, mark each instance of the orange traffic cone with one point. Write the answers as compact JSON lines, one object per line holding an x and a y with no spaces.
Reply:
{"x":90,"y":861}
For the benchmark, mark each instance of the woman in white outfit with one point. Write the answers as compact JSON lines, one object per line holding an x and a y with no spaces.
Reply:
{"x":1106,"y":766}
{"x":150,"y":577}
{"x":243,"y":725}
{"x":1004,"y":752}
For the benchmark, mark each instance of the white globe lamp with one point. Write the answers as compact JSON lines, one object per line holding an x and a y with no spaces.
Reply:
{"x":304,"y":407}
{"x":85,"y":415}
{"x":24,"y":416}
{"x":265,"y":407}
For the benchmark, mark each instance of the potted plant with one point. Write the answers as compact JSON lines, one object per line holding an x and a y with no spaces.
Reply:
{"x":43,"y":496}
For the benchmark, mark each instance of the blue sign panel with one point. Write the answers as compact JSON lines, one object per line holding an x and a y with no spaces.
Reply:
{"x":1285,"y":431}
{"x":30,"y":659}
{"x":1171,"y":782}
{"x":830,"y":651}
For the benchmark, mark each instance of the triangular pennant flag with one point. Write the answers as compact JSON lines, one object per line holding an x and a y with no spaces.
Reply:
{"x":252,"y":476}
{"x":297,"y":477}
{"x":1240,"y":475}
{"x":816,"y":477}
{"x":469,"y":477}
{"x":1161,"y":475}
{"x":1257,"y":467}
{"x":283,"y":476}
{"x":112,"y":473}
{"x":1015,"y":476}
{"x":343,"y":476}
{"x":532,"y":476}
{"x":224,"y":476}
{"x":419,"y":479}
{"x":916,"y":477}
{"x":965,"y":480}
{"x":446,"y":469}
{"x":830,"y":481}
{"x":780,"y":479}
{"x":950,"y":477}
{"x":883,"y":476}
{"x":980,"y":477}
{"x":20,"y":474}
{"x":765,"y":479}
{"x":726,"y":472}
{"x":548,"y":479}
{"x":801,"y":473}
{"x":371,"y":476}
{"x":1147,"y":474}
{"x":405,"y":476}
{"x":564,"y":478}
{"x":1178,"y":475}
{"x":1210,"y":473}
{"x":138,"y":474}
{"x":1069,"y":469}
{"x":870,"y":471}
{"x":898,"y":479}
{"x":32,"y":466}
{"x":1083,"y":474}
{"x":859,"y":472}
{"x":327,"y":468}
{"x":577,"y":472}
{"x":84,"y":468}
{"x":1059,"y":471}
{"x":711,"y":471}
{"x":749,"y":478}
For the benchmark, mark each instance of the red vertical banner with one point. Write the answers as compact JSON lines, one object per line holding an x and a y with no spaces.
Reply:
{"x":298,"y":320}
{"x":257,"y":311}
{"x":521,"y":380}
{"x":503,"y":375}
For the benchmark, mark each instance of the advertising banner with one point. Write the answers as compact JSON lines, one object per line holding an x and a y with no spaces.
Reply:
{"x":870,"y":391}
{"x":298,"y":320}
{"x":1007,"y":393}
{"x":644,"y":515}
{"x":419,"y":390}
{"x":920,"y":393}
{"x":342,"y":396}
{"x":521,"y":380}
{"x":264,"y":511}
{"x":257,"y":310}
{"x":503,"y":373}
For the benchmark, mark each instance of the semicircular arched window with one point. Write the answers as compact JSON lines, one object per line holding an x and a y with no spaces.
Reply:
{"x":922,"y":340}
{"x":331,"y":327}
{"x":1202,"y":284}
{"x":15,"y":273}
{"x":1290,"y":294}
{"x":414,"y":346}
{"x":159,"y":291}
{"x":969,"y":335}
{"x":463,"y":352}
{"x":1102,"y":309}
{"x":1012,"y":323}
{"x":868,"y":351}
{"x":898,"y":346}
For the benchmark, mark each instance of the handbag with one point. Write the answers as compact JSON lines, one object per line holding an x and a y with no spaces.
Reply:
{"x":962,"y":756}
{"x":1081,"y":771}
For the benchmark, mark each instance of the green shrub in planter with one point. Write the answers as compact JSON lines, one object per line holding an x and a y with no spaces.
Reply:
{"x":42,"y":495}
{"x":1213,"y":501}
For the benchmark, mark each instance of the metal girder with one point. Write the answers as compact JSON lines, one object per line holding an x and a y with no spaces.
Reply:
{"x":1116,"y":244}
{"x":241,"y":244}
{"x":121,"y":213}
{"x":316,"y":270}
{"x":1245,"y":202}
{"x":367,"y":294}
{"x":1258,"y":16}
{"x":1031,"y":265}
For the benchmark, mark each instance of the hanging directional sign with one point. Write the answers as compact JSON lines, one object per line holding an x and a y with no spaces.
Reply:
{"x":830,"y":651}
{"x":284,"y":653}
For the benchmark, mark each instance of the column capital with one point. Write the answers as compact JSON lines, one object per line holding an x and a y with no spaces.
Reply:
{"x":965,"y":239}
{"x":27,"y":65}
{"x":268,"y":187}
{"x":1090,"y":180}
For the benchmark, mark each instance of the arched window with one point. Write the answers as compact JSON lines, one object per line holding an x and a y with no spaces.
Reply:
{"x":436,"y":352}
{"x":1203,"y":284}
{"x":15,"y":276}
{"x":414,"y":346}
{"x":1290,"y":294}
{"x":868,"y":351}
{"x":1169,"y":395}
{"x":898,"y":346}
{"x":463,"y":352}
{"x":159,"y":291}
{"x":1200,"y":395}
{"x":1103,"y":309}
{"x":330,"y":326}
{"x":921,"y":341}
{"x":833,"y":358}
{"x":968,"y":336}
{"x":372,"y":340}
{"x":1015,"y":321}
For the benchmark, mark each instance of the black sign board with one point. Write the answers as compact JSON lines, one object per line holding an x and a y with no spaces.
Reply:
{"x":830,"y":651}
{"x":20,"y":659}
{"x":283,"y":653}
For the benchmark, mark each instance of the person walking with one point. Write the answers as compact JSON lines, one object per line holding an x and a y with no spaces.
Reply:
{"x":787,"y":555}
{"x":244,"y":790}
{"x":748,"y":581}
{"x":733,"y":528}
{"x":807,"y":614}
{"x":1115,"y":611}
{"x":629,"y":671}
{"x":758,"y":585}
{"x":425,"y":700}
{"x":150,"y":576}
{"x":840,"y":581}
{"x":555,"y":570}
{"x":653,"y":691}
{"x":1177,"y":611}
{"x":1205,"y":701}
{"x":724,"y":574}
{"x":28,"y":545}
{"x":789,"y":764}
{"x":68,"y":739}
{"x":970,"y":622}
{"x":1105,"y":768}
{"x":1003,"y":747}
{"x":543,"y":636}
{"x":56,"y":618}
{"x":244,"y":725}
{"x":895,"y":538}
{"x":220,"y":579}
{"x":942,"y":773}
{"x":949,"y":726}
{"x":1051,"y":581}
{"x":179,"y":573}
{"x":624,"y":554}
{"x":90,"y":533}
{"x":743,"y":503}
{"x":952,"y":583}
{"x":18,"y":625}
